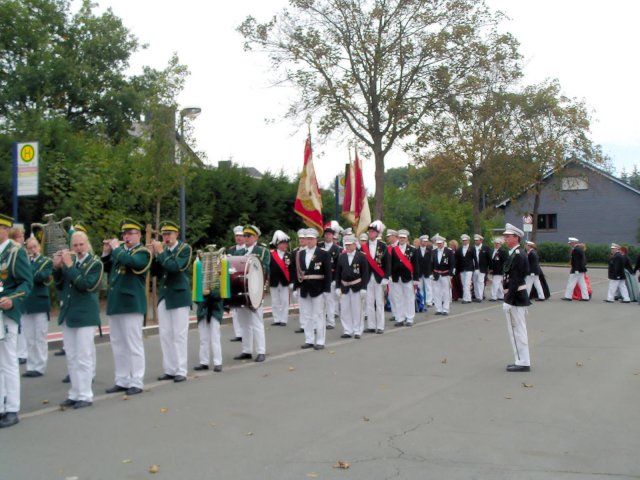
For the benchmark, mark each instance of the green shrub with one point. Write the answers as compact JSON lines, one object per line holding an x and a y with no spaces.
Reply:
{"x":554,"y":252}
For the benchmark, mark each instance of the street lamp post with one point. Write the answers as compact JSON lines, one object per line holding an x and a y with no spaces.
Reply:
{"x":189,"y":112}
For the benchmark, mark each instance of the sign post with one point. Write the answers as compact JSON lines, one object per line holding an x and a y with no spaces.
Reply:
{"x":527,"y":225}
{"x":25,"y":172}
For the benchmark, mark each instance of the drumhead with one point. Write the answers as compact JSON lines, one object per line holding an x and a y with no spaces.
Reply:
{"x":254,"y":278}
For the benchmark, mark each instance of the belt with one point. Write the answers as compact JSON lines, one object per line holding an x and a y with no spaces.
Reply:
{"x":354,"y":282}
{"x":313,"y":277}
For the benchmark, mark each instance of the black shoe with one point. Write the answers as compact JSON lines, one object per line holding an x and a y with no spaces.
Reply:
{"x":345,"y":335}
{"x":518,"y":368}
{"x":217,"y":368}
{"x":22,"y":361}
{"x":66,"y":379}
{"x":492,"y":300}
{"x":540,"y":299}
{"x":357,"y":337}
{"x":116,"y":389}
{"x":236,"y":339}
{"x":408,"y":324}
{"x":197,"y":368}
{"x":445,"y":313}
{"x":626,"y":301}
{"x":9,"y":419}
{"x":330,"y":327}
{"x":567,"y":299}
{"x":464,"y":302}
{"x":179,"y":378}
{"x":398,"y":324}
{"x":166,"y":376}
{"x":379,"y":332}
{"x":370,"y":330}
{"x":82,"y":404}
{"x":243,"y":356}
{"x":31,"y":374}
{"x":306,"y":345}
{"x":276,"y":324}
{"x":259,"y":357}
{"x":60,"y":353}
{"x":134,"y":391}
{"x":68,"y":403}
{"x":608,"y":301}
{"x":299,"y":330}
{"x":585,"y":299}
{"x":318,"y":347}
{"x":438,"y":313}
{"x":477,"y":300}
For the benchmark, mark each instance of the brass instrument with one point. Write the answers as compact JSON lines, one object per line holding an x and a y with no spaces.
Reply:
{"x":54,"y":235}
{"x":210,"y":259}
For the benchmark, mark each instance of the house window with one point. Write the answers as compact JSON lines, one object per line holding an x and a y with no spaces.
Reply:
{"x":575,"y":183}
{"x":547,"y":222}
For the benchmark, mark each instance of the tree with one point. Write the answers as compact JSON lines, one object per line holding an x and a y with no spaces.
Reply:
{"x":375,"y":68}
{"x":469,"y":136}
{"x":548,"y":128}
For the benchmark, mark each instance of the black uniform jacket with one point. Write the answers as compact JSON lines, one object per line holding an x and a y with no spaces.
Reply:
{"x":334,"y":252}
{"x":578,"y":260}
{"x":616,"y":267}
{"x":352,"y":277}
{"x":467,"y":262}
{"x":534,"y":263}
{"x":445,"y":266}
{"x":399,"y":272}
{"x":382,"y":258}
{"x":483,"y":258}
{"x":316,"y":279}
{"x":516,"y":268}
{"x":497,"y":261}
{"x":424,"y":261}
{"x":276,"y":274}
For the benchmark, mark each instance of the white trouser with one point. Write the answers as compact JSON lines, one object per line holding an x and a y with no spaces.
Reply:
{"x":577,"y":277}
{"x":406,"y":301}
{"x":351,"y":313}
{"x":442,"y":294}
{"x":9,"y":369}
{"x":237,"y":328}
{"x":375,"y":305}
{"x":393,"y":297}
{"x":21,"y":346}
{"x":465,"y":278}
{"x":252,"y":324}
{"x":497,"y":290}
{"x":425,"y":289}
{"x":173,"y":326}
{"x":533,"y":280}
{"x":128,"y":349}
{"x":34,"y":328}
{"x":517,"y":327}
{"x":312,"y":308}
{"x":614,"y":285}
{"x":210,"y":342}
{"x":330,"y":301}
{"x":280,"y":303}
{"x":79,"y":348}
{"x":478,"y":284}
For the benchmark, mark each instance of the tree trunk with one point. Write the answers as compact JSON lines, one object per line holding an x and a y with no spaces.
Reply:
{"x":475,"y":200}
{"x":379,"y":195}
{"x":534,"y":214}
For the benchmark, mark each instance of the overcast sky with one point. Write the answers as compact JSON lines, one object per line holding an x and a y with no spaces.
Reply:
{"x":589,"y":45}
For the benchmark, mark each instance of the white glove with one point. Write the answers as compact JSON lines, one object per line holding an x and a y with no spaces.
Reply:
{"x":296,"y":294}
{"x":338,"y":292}
{"x":506,"y":307}
{"x":431,"y":277}
{"x":291,"y":286}
{"x":363,"y":294}
{"x":385,"y":281}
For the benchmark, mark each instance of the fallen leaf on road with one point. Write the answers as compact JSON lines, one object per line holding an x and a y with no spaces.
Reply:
{"x":366,"y":419}
{"x":126,"y":460}
{"x":125,"y":397}
{"x":508,"y":397}
{"x":291,"y":369}
{"x":164,"y":410}
{"x":444,"y":360}
{"x":265,"y":375}
{"x":527,"y":385}
{"x":341,"y":464}
{"x":154,"y":468}
{"x":312,"y":475}
{"x":332,"y":352}
{"x":212,"y":424}
{"x":578,"y":364}
{"x":249,"y":434}
{"x":45,"y":402}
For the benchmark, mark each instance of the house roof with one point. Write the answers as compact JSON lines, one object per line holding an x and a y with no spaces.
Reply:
{"x":581,"y":163}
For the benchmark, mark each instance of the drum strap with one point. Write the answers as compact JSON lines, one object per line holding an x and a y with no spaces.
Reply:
{"x":281,"y":264}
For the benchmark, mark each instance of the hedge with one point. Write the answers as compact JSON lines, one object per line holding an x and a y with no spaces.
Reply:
{"x":552,"y":252}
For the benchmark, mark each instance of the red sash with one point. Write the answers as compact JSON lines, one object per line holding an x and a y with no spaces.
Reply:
{"x":280,"y":262}
{"x":372,"y":261}
{"x":403,"y":258}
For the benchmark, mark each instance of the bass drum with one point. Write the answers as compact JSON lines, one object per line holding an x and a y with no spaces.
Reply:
{"x":247,"y":282}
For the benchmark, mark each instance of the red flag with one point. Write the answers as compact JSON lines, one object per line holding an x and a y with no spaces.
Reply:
{"x":355,"y":207}
{"x":308,"y":200}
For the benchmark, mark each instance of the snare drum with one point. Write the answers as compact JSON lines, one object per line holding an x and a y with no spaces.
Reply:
{"x":247,"y":282}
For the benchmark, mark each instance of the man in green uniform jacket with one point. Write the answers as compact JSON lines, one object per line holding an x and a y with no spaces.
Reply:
{"x":16,"y":281}
{"x":127,"y":265}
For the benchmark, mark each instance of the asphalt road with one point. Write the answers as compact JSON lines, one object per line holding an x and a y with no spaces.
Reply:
{"x":429,"y":402}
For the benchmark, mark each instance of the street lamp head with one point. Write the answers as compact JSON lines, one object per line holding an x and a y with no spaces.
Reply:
{"x":190,"y":112}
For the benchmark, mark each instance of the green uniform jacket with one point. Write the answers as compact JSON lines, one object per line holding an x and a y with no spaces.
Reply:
{"x":16,"y":278}
{"x":127,"y":274}
{"x":78,"y":289}
{"x":39,"y":300}
{"x":211,"y":307}
{"x":263,"y":254}
{"x":171,"y":268}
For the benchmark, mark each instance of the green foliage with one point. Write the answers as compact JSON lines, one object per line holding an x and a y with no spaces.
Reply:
{"x":554,"y":252}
